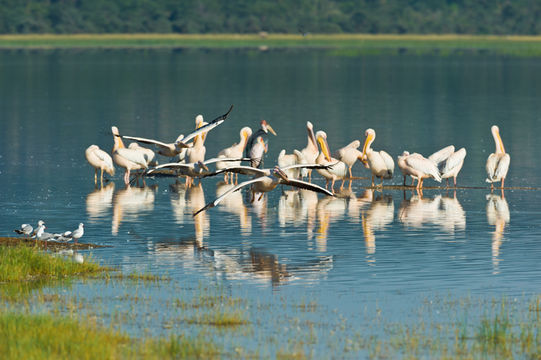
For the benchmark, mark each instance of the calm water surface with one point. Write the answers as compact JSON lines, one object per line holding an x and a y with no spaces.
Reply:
{"x":388,"y":249}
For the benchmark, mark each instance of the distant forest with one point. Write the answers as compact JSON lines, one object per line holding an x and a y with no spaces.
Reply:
{"x":273,"y":16}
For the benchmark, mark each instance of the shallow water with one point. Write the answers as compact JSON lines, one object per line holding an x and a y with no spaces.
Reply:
{"x":365,"y":250}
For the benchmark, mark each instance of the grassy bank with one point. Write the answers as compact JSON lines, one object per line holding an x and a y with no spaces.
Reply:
{"x":47,"y":337}
{"x":513,"y":45}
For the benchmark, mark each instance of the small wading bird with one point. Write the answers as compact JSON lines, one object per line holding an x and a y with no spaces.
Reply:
{"x":418,"y":167}
{"x":25,"y":229}
{"x":266,"y":180}
{"x":234,"y":151}
{"x":498,"y":162}
{"x":175,"y":148}
{"x":99,"y":159}
{"x":381,"y":164}
{"x":78,"y":233}
{"x":257,"y":146}
{"x":337,"y":170}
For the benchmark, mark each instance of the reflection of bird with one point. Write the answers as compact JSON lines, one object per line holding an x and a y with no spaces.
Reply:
{"x":452,"y":216}
{"x":337,"y":169}
{"x":100,"y":200}
{"x":129,"y":203}
{"x":349,"y":154}
{"x":377,"y":217}
{"x":381,"y":164}
{"x":129,"y":159}
{"x":178,"y":200}
{"x":498,"y":162}
{"x":234,"y":151}
{"x":311,"y":151}
{"x":234,"y":204}
{"x":418,"y":167}
{"x":25,"y":229}
{"x":196,"y":200}
{"x":497,"y":215}
{"x":99,"y":159}
{"x":290,"y":208}
{"x":181,"y":143}
{"x":263,"y":182}
{"x":418,"y":211}
{"x":256,"y":146}
{"x":329,"y":209}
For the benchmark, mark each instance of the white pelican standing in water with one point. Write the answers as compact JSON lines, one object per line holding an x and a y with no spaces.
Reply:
{"x":234,"y":151}
{"x":263,"y":182}
{"x":129,"y":159}
{"x":337,"y":170}
{"x":449,"y":162}
{"x":418,"y":167}
{"x":381,"y":164}
{"x":99,"y":159}
{"x":311,"y":151}
{"x":349,"y":154}
{"x":498,"y":162}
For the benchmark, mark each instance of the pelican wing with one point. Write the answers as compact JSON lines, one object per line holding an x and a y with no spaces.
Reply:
{"x":174,"y":165}
{"x":352,"y":145}
{"x":388,"y":160}
{"x":442,"y":155}
{"x":246,"y":170}
{"x":225,"y":159}
{"x":146,"y":141}
{"x":454,"y":160}
{"x":220,"y":119}
{"x":133,"y":156}
{"x":227,"y":193}
{"x":424,"y":165}
{"x":103,"y":156}
{"x":306,"y":185}
{"x":492,"y":162}
{"x":308,"y":166}
{"x":503,"y":167}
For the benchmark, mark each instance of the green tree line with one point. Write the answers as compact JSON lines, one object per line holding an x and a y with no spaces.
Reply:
{"x":276,"y":16}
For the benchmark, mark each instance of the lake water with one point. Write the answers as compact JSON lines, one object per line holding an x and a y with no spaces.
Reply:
{"x":367,"y":251}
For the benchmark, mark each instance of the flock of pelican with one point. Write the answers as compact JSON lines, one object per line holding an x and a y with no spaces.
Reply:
{"x":187,"y":158}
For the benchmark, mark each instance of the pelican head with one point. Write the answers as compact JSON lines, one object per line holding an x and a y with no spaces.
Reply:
{"x":311,"y":136}
{"x":370,"y":135}
{"x":245,"y":132}
{"x":321,"y":137}
{"x":279,"y":173}
{"x":266,"y":127}
{"x":116,"y":137}
{"x":500,"y":149}
{"x":198,"y":120}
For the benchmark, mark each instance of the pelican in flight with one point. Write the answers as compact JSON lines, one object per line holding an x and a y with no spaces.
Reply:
{"x":234,"y":151}
{"x":129,"y":159}
{"x":498,"y":162}
{"x":266,"y":180}
{"x":418,"y":167}
{"x":349,"y":154}
{"x":99,"y":159}
{"x":311,"y":151}
{"x":338,"y":169}
{"x":182,"y":142}
{"x":255,"y":148}
{"x":196,"y":169}
{"x":381,"y":164}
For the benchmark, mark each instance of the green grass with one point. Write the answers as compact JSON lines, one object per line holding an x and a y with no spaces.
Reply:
{"x":342,"y":44}
{"x":21,"y":263}
{"x":47,"y":337}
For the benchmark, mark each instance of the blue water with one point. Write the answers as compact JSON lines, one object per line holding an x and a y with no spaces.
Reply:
{"x":387,"y":249}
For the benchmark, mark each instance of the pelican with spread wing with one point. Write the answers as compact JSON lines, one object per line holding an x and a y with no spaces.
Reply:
{"x":182,"y":142}
{"x":266,"y":180}
{"x":498,"y":162}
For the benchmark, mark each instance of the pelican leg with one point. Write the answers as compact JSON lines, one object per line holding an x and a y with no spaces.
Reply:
{"x":236,"y":178}
{"x":342,"y":185}
{"x":503,"y":180}
{"x":491,"y":187}
{"x":226,"y":177}
{"x":309,"y":175}
{"x":372,"y":180}
{"x":350,"y":176}
{"x":454,"y":180}
{"x":95,"y":176}
{"x":332,"y":185}
{"x":127,"y":177}
{"x":101,"y":178}
{"x":404,"y":184}
{"x":412,"y":181}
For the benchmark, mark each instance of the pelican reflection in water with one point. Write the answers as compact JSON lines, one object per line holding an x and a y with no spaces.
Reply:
{"x":329,"y":209}
{"x":196,"y":200}
{"x":234,"y":204}
{"x":378,"y":215}
{"x":130,"y":203}
{"x":498,"y":216}
{"x":99,"y":201}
